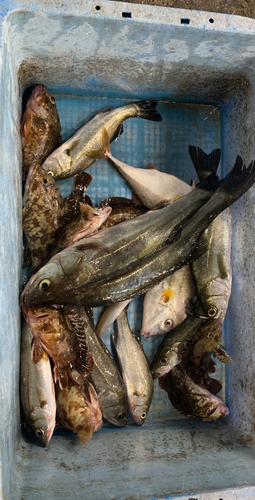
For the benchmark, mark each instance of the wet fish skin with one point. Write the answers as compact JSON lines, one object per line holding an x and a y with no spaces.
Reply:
{"x":135,"y":369}
{"x":76,"y":413}
{"x":37,"y":390}
{"x":150,"y":185}
{"x":121,"y":214}
{"x":152,"y":269}
{"x":109,"y":315}
{"x":40,"y":128}
{"x":169,"y":352}
{"x":105,"y":376}
{"x":191,"y":399}
{"x":65,"y":345}
{"x":75,"y":154}
{"x":81,"y":226}
{"x":165,"y":306}
{"x":42,"y":214}
{"x":213,"y":270}
{"x":111,"y":251}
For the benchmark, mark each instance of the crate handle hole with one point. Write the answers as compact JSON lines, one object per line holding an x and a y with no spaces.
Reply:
{"x":185,"y":21}
{"x":211,"y":20}
{"x":126,"y":14}
{"x":97,"y":7}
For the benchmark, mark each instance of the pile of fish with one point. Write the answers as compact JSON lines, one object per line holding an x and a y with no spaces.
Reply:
{"x":171,"y":242}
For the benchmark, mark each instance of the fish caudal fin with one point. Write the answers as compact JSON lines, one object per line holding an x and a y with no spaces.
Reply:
{"x":148,"y":111}
{"x":239,"y":179}
{"x":101,"y":152}
{"x":204,"y":164}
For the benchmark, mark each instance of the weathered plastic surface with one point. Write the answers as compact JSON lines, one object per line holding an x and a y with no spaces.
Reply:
{"x":83,"y":54}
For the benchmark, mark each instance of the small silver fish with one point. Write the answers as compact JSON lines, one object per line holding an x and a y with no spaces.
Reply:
{"x":135,"y":369}
{"x":37,"y":390}
{"x":76,"y":154}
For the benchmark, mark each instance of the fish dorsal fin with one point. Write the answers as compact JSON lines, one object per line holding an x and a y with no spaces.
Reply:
{"x":151,"y":167}
{"x":205,"y":164}
{"x":41,"y":396}
{"x":118,"y":132}
{"x":105,"y":110}
{"x":82,"y":181}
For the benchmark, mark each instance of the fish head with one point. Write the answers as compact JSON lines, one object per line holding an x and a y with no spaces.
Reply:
{"x":43,"y":103}
{"x":215,"y":300}
{"x":38,"y":182}
{"x":59,"y":164}
{"x":219,"y":410}
{"x":44,"y":427}
{"x":100,"y":215}
{"x":42,"y":318}
{"x":114,"y":408}
{"x":158,"y":317}
{"x":208,"y":338}
{"x":139,"y":410}
{"x":165,"y":359}
{"x":50,"y":282}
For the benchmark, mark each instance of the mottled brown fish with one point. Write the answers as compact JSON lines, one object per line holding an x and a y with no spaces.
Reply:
{"x":87,"y":222}
{"x":66,"y":346}
{"x":42,"y":214}
{"x":76,"y":413}
{"x":191,"y":399}
{"x":40,"y":128}
{"x":122,"y":209}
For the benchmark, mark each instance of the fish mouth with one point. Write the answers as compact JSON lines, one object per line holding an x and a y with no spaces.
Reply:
{"x":47,"y":439}
{"x":28,"y":313}
{"x":160,"y":372}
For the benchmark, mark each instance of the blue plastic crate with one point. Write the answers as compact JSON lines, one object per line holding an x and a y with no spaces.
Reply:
{"x":203,"y":75}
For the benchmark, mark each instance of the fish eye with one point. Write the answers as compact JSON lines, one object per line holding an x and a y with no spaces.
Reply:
{"x":45,"y":181}
{"x":39,"y":433}
{"x":51,"y":173}
{"x":143,"y":415}
{"x":210,"y":335}
{"x":44,"y":285}
{"x":169,"y":323}
{"x":212,"y":311}
{"x":53,"y":100}
{"x":164,"y":361}
{"x":121,"y":416}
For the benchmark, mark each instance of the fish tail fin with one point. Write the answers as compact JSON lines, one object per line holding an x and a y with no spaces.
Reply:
{"x":239,"y":179}
{"x":147,"y":110}
{"x":101,"y":152}
{"x":204,"y":164}
{"x":210,"y":183}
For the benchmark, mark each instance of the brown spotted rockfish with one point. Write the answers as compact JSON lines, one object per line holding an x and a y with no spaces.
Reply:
{"x":40,"y":128}
{"x":66,"y":345}
{"x":42,"y":214}
{"x":190,"y":398}
{"x":76,"y":413}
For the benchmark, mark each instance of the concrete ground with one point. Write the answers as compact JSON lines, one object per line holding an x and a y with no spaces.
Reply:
{"x":238,"y":7}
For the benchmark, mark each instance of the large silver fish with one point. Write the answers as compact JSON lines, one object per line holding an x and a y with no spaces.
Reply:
{"x":169,"y":352}
{"x":105,"y":376}
{"x":135,"y":369}
{"x":37,"y":390}
{"x":111,"y":251}
{"x":166,"y":305}
{"x":213,"y":270}
{"x":76,"y":154}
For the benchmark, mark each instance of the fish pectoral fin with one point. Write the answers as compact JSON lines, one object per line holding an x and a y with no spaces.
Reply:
{"x":70,"y":148}
{"x":86,"y":210}
{"x":222,"y":355}
{"x":222,"y":264}
{"x":37,"y":351}
{"x":92,"y":245}
{"x":100,"y":153}
{"x":37,"y":122}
